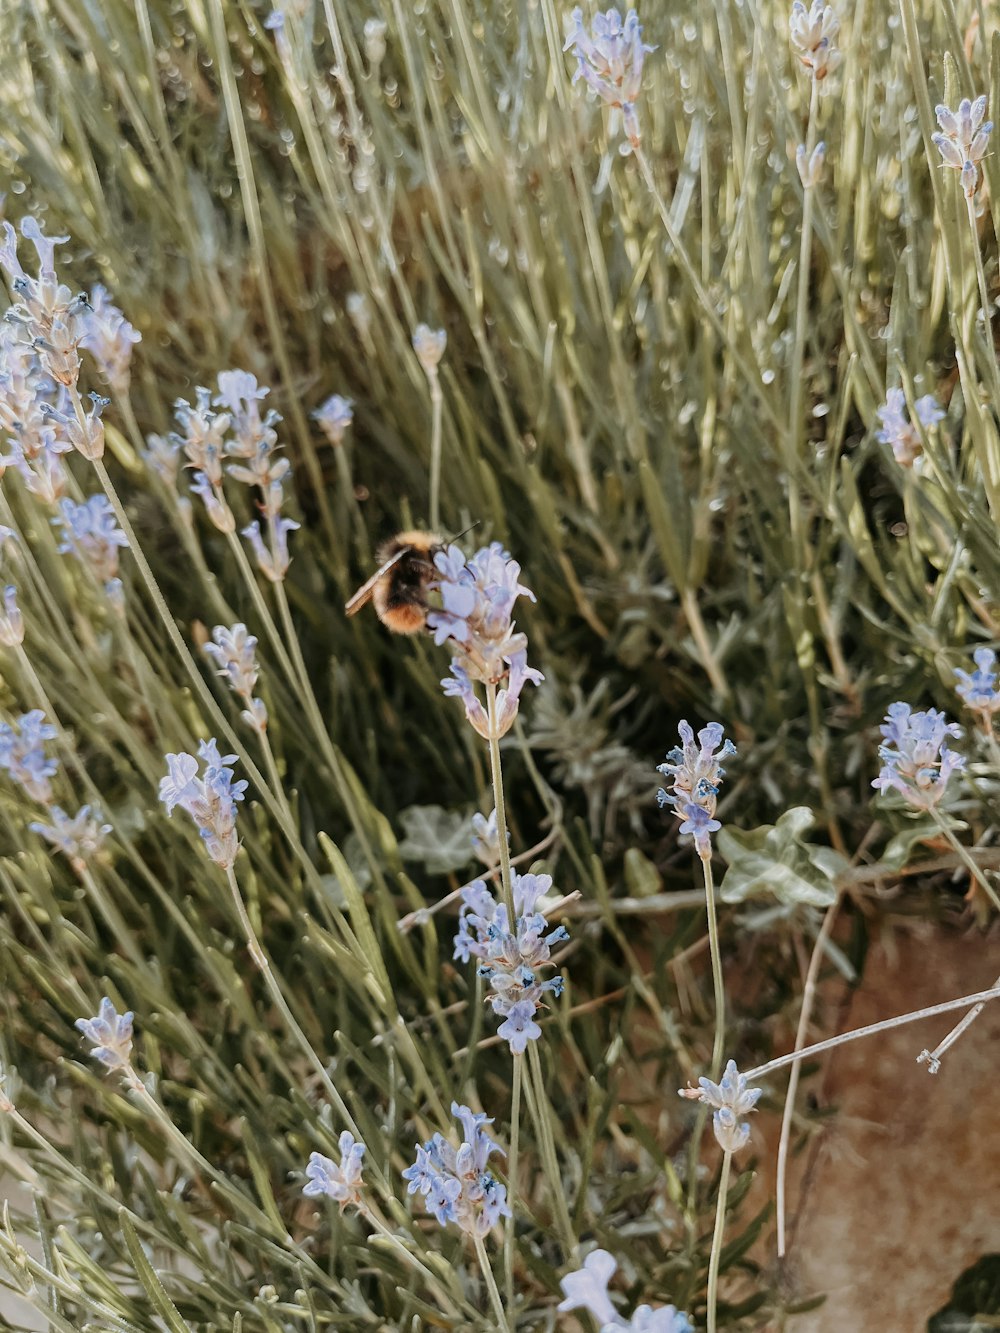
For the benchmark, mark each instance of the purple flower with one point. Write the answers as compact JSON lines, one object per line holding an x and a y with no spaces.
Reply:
{"x":429,"y":345}
{"x":700,"y":825}
{"x":978,"y":689}
{"x":587,"y":1288}
{"x":455,"y":1183}
{"x":916,"y":760}
{"x":210,"y":800}
{"x":520,"y":1027}
{"x":610,"y":58}
{"x":111,"y":1035}
{"x":92,"y":534}
{"x":342,"y":1182}
{"x":22,"y":754}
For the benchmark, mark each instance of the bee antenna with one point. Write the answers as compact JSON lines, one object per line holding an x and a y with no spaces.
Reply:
{"x":462,"y":533}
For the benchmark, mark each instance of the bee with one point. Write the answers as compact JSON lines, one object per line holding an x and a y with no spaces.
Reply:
{"x":398,"y":588}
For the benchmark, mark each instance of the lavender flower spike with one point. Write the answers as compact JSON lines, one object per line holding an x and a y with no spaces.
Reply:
{"x":11,"y":621}
{"x":455,"y":1184}
{"x":109,"y":338}
{"x":209,"y":800}
{"x":609,"y":60}
{"x":694,"y":773}
{"x":899,"y":432}
{"x":91,"y":533}
{"x":587,"y":1289}
{"x":731,"y":1098}
{"x":334,"y":416}
{"x":111,"y":1036}
{"x":22,"y":754}
{"x":916,"y":760}
{"x":978,"y":690}
{"x":342,"y":1182}
{"x":813,"y":33}
{"x":234,"y":652}
{"x":77,"y":838}
{"x":963,"y":140}
{"x":477,"y":603}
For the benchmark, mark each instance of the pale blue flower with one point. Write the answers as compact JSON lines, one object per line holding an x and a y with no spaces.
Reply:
{"x":111,"y":1035}
{"x":609,"y":59}
{"x":342,"y":1182}
{"x":234,"y":652}
{"x":899,"y":432}
{"x":92,"y":534}
{"x":86,"y":436}
{"x":210,"y":799}
{"x":215,"y":504}
{"x":963,"y":140}
{"x":731,"y":1098}
{"x":978,"y":689}
{"x":813,"y":34}
{"x":916,"y":760}
{"x":511,"y":960}
{"x":455,"y":1183}
{"x":587,"y":1289}
{"x":109,"y":338}
{"x":429,"y":345}
{"x":22,"y":754}
{"x":11,"y":621}
{"x":334,"y":416}
{"x":486,"y":838}
{"x":273,"y":564}
{"x":700,"y":825}
{"x":77,"y":838}
{"x":46,"y":313}
{"x":477,"y":604}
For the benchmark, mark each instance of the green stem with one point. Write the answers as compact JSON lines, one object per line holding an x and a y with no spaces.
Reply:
{"x":720,"y":1227}
{"x":970,"y":865}
{"x":437,"y":399}
{"x":717,"y":977}
{"x":433,"y":1282}
{"x":496,"y":771}
{"x":513,"y":1162}
{"x":263,"y":965}
{"x":538,"y":1104}
{"x":491,"y":1285}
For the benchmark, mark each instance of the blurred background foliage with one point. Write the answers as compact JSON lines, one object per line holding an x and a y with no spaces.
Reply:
{"x":293,"y":200}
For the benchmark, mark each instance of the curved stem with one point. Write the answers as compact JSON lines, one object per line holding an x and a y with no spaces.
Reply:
{"x":538,"y":1103}
{"x":720,"y":1227}
{"x":970,"y":865}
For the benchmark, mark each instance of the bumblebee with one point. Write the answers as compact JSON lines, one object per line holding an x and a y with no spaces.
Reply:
{"x":398,"y":588}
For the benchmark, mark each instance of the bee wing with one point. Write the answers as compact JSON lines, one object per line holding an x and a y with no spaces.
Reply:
{"x":364,"y":593}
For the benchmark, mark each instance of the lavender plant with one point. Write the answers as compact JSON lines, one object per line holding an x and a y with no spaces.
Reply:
{"x":576,"y":327}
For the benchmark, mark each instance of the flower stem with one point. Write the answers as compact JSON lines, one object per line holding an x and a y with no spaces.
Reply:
{"x":970,"y":865}
{"x":491,"y":1285}
{"x":513,"y":1162}
{"x":437,"y":400}
{"x":872,"y":1029}
{"x":808,"y":994}
{"x":717,"y":978}
{"x":720,"y":1227}
{"x":263,"y":965}
{"x":496,"y":772}
{"x":538,"y":1104}
{"x":933,"y":1058}
{"x":433,"y":1282}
